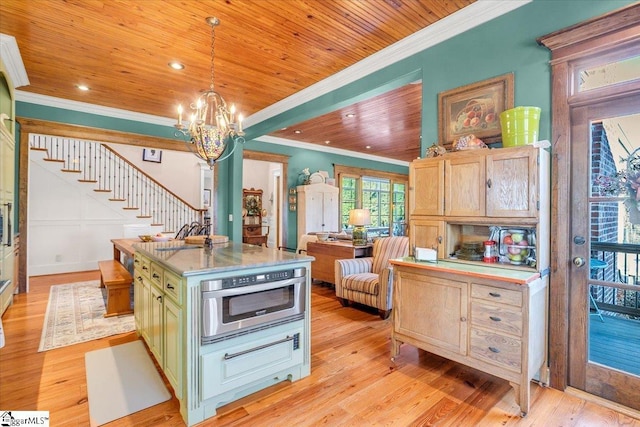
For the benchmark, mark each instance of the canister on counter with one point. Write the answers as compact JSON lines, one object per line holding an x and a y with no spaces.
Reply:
{"x":490,"y":251}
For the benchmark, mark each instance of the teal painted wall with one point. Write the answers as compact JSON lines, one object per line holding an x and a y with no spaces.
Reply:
{"x":506,"y":44}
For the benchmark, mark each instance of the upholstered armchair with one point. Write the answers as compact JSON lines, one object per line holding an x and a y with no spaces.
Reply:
{"x":369,"y":281}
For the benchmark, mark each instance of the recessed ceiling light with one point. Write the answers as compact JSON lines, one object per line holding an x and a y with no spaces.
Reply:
{"x":83,"y":87}
{"x":284,"y":128}
{"x":327,"y":142}
{"x":368,"y":147}
{"x":297,"y":131}
{"x":176,"y":65}
{"x":350,"y":115}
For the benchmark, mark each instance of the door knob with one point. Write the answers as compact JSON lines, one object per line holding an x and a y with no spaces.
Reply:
{"x":578,"y":261}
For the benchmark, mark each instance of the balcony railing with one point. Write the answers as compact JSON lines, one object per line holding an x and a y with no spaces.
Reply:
{"x":615,"y":277}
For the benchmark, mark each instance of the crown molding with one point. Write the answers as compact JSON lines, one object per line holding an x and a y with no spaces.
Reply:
{"x":10,"y":54}
{"x":329,"y":149}
{"x":84,"y":107}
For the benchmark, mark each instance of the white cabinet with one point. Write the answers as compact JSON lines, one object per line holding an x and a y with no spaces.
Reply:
{"x":318,"y":208}
{"x":7,"y":208}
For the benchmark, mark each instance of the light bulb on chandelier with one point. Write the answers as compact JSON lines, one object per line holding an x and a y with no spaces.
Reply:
{"x":212,"y":126}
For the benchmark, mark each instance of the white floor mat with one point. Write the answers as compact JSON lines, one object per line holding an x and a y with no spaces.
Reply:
{"x":122,"y":380}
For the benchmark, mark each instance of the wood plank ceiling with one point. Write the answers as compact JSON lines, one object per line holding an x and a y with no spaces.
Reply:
{"x":265,"y":51}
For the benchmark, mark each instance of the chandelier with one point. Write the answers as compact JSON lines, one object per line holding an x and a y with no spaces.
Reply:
{"x":211,"y":127}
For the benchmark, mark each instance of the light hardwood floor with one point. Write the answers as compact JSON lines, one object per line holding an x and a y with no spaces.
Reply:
{"x":352,"y":382}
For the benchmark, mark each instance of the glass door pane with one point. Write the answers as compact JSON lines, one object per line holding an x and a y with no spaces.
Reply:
{"x":614,"y":268}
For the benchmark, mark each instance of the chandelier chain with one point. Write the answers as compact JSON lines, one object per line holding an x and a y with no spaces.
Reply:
{"x":213,"y":41}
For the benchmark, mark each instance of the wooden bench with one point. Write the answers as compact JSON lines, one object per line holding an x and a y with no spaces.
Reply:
{"x":115,"y":277}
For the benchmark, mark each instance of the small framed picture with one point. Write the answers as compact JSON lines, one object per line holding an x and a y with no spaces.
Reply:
{"x":206,"y":197}
{"x":152,"y":155}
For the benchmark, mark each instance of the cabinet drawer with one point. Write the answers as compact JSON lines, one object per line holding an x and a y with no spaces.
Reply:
{"x":493,"y":294}
{"x":141,"y":264}
{"x":497,"y":349}
{"x":172,"y":285}
{"x":499,"y":318}
{"x":155,"y":274}
{"x":234,"y":366}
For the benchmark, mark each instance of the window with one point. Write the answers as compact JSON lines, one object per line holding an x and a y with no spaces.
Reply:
{"x":383,"y":193}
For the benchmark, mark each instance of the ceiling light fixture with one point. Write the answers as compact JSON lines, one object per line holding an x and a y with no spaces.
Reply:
{"x":176,"y":65}
{"x":83,"y":87}
{"x":350,"y":115}
{"x":298,"y":131}
{"x":212,"y":126}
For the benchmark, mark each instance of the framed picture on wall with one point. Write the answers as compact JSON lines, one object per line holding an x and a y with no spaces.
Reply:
{"x":206,"y":197}
{"x":474,"y":109}
{"x":152,"y":155}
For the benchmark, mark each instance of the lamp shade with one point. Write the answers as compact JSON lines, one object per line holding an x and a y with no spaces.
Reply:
{"x":359,"y":217}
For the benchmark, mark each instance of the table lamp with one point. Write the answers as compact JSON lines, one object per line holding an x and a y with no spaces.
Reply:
{"x":359,"y":218}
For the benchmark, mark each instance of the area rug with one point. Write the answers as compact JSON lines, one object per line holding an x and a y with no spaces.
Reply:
{"x":75,"y":313}
{"x":122,"y":380}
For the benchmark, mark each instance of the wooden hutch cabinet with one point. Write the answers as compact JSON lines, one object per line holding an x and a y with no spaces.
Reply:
{"x":252,"y":213}
{"x":492,"y":316}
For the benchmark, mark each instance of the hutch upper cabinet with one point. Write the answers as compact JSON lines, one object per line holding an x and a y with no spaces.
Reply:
{"x":476,"y":183}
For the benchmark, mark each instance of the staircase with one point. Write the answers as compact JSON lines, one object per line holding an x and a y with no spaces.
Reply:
{"x":108,"y":172}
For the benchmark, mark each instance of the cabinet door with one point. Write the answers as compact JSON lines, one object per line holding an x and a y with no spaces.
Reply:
{"x":431,"y":310}
{"x":511,"y":183}
{"x":464,"y":184}
{"x":155,"y":324}
{"x":425,"y":233}
{"x":137,"y":301}
{"x":330,"y":212}
{"x":145,"y":309}
{"x":173,"y":345}
{"x":426,"y":187}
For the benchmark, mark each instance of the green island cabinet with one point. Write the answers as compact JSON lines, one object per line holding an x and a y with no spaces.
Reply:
{"x":168,"y":313}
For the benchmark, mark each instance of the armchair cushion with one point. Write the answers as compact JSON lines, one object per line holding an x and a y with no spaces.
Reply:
{"x":363,"y":282}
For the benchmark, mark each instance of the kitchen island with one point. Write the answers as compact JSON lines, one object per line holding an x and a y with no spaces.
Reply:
{"x":197,"y":310}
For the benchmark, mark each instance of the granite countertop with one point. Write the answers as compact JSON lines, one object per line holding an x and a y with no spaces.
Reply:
{"x":189,"y":260}
{"x":494,"y":271}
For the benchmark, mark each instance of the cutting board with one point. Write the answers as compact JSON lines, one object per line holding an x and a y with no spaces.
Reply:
{"x":199,"y":240}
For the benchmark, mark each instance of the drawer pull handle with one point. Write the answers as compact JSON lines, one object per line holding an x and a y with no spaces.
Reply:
{"x":495,"y":294}
{"x":489,"y":183}
{"x":144,"y":267}
{"x":155,"y":276}
{"x":228,"y":356}
{"x":170,"y":286}
{"x":495,"y":319}
{"x":159,"y":298}
{"x":463,"y":319}
{"x":136,"y":261}
{"x":139,"y":278}
{"x":494,"y":350}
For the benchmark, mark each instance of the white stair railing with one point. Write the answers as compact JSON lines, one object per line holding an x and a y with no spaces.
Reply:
{"x":102,"y":166}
